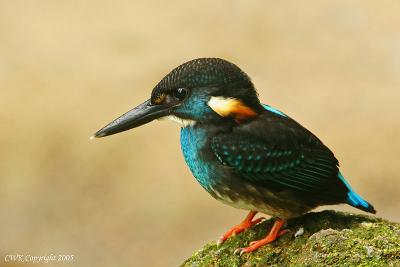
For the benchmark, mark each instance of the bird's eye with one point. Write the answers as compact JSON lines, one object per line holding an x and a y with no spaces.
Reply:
{"x":180,"y":93}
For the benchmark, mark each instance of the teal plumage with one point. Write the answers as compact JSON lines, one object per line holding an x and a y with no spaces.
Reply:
{"x":273,"y":155}
{"x":246,"y":154}
{"x":192,"y":140}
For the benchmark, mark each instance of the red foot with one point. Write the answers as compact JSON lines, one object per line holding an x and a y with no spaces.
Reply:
{"x":272,"y":236}
{"x":247,"y":223}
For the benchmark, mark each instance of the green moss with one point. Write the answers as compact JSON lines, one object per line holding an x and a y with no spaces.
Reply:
{"x":330,"y":239}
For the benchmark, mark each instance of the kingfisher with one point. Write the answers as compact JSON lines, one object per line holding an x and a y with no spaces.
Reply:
{"x":244,"y":153}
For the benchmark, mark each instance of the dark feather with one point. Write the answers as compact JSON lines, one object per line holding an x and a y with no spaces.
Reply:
{"x":276,"y":152}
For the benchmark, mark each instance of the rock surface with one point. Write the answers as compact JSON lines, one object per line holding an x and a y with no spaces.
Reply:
{"x":329,"y":238}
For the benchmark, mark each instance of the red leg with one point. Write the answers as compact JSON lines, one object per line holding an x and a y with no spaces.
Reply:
{"x":245,"y":224}
{"x":272,"y":236}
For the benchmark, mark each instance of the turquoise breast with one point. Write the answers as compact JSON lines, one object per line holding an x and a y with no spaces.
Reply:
{"x":193,"y":140}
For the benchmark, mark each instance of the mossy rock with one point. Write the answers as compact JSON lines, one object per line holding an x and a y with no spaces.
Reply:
{"x":330,"y":238}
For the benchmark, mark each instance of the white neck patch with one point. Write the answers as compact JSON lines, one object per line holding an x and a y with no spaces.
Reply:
{"x":182,"y":122}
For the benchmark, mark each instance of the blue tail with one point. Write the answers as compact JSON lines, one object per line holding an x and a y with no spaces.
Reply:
{"x":355,"y":200}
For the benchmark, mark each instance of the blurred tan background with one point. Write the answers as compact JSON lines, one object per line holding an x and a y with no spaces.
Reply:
{"x":69,"y":67}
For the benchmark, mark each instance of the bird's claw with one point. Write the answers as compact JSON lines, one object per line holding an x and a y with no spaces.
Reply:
{"x":238,"y":251}
{"x":256,"y":244}
{"x":252,"y":243}
{"x":246,"y":224}
{"x":220,"y":241}
{"x":261,"y":219}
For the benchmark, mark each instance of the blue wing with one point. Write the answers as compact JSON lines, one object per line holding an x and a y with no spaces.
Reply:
{"x":277,"y":152}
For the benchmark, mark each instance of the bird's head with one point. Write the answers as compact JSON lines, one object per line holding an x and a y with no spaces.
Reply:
{"x":205,"y":90}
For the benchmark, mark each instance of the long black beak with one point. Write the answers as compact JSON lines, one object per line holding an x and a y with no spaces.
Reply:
{"x":142,"y":114}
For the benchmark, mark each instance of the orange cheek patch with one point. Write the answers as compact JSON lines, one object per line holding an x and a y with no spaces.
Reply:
{"x":242,"y":112}
{"x":231,"y":107}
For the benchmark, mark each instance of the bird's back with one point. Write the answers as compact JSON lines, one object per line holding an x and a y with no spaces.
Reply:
{"x":270,"y":164}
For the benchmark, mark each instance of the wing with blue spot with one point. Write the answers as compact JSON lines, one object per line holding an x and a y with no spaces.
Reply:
{"x":277,"y":152}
